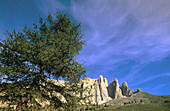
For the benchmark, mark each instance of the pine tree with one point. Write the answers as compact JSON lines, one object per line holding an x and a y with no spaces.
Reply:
{"x":32,"y":54}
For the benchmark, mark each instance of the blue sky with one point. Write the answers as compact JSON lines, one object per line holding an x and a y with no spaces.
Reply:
{"x":126,"y":39}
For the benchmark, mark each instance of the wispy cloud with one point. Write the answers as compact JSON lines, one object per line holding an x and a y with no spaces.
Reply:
{"x":157,"y":89}
{"x":123,"y":36}
{"x":150,"y":78}
{"x":124,"y":30}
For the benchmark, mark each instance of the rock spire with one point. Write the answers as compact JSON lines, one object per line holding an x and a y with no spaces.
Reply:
{"x":100,"y":91}
{"x":114,"y":90}
{"x":97,"y":88}
{"x":126,"y":91}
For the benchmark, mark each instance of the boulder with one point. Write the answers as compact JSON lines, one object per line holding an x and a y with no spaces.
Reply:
{"x":59,"y":96}
{"x":42,"y":103}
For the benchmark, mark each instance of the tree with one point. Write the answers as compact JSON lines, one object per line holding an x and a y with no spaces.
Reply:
{"x":46,"y":50}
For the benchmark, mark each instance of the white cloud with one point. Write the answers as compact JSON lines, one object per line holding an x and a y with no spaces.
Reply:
{"x":130,"y":30}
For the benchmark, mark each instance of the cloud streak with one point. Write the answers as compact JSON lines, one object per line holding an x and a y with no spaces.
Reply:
{"x":124,"y":30}
{"x":151,"y":78}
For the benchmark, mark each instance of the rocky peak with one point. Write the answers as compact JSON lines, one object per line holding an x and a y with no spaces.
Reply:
{"x":115,"y":80}
{"x":139,"y":90}
{"x":114,"y":90}
{"x":124,"y":84}
{"x":101,"y":79}
{"x":100,"y":90}
{"x":125,"y":90}
{"x":97,"y":88}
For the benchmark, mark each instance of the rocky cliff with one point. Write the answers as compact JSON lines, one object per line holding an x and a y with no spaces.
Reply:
{"x":114,"y":90}
{"x":100,"y":91}
{"x":97,"y":88}
{"x":126,"y":91}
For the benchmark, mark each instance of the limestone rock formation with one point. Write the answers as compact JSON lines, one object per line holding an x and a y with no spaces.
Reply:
{"x":126,"y":91}
{"x":114,"y":90}
{"x":97,"y":88}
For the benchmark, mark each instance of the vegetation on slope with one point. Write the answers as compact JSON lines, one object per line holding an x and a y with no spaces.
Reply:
{"x":32,"y":54}
{"x":140,"y":107}
{"x":141,"y":101}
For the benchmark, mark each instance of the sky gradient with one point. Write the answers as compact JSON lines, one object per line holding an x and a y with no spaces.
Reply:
{"x":126,"y":39}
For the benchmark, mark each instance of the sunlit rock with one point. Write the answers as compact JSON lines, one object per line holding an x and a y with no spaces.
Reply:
{"x":126,"y":91}
{"x":114,"y":90}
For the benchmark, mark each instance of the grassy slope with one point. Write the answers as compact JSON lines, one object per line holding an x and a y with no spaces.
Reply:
{"x":154,"y":98}
{"x":156,"y":103}
{"x":140,"y":107}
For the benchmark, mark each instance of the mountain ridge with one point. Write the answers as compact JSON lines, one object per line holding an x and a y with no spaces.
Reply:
{"x":100,"y":90}
{"x":104,"y":92}
{"x":112,"y":94}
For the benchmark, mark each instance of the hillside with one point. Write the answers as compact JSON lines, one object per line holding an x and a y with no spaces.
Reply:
{"x":140,"y":107}
{"x":141,"y":101}
{"x":107,"y":97}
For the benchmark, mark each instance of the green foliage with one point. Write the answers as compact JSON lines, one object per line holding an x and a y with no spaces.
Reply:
{"x":46,"y":50}
{"x":75,"y":100}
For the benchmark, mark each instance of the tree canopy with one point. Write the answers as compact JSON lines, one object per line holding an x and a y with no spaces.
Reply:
{"x":46,"y":50}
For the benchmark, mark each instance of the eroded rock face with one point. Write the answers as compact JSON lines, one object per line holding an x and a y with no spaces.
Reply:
{"x":114,"y":90}
{"x":126,"y":91}
{"x":97,"y":88}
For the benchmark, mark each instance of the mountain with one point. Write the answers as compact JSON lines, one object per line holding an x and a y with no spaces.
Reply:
{"x":116,"y":96}
{"x":102,"y":92}
{"x":112,"y":95}
{"x":99,"y":89}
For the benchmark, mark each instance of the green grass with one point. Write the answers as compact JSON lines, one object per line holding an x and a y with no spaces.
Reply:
{"x":140,"y":107}
{"x":149,"y":103}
